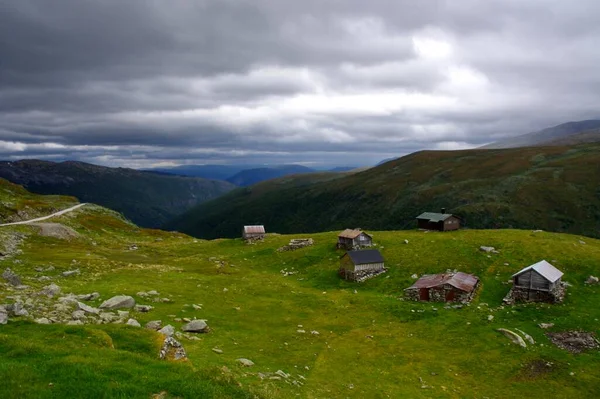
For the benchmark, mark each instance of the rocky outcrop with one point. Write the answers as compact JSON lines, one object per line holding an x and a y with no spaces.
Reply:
{"x":172,"y":350}
{"x":245,"y":362}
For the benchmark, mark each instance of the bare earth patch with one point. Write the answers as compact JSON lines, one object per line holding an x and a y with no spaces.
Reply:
{"x":574,"y":341}
{"x":537,"y":368}
{"x":55,"y":230}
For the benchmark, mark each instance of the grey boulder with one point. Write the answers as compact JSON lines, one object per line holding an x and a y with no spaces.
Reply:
{"x":51,"y":290}
{"x":167,"y":330}
{"x":133,"y":322}
{"x":196,"y":326}
{"x":118,"y":302}
{"x":11,"y":277}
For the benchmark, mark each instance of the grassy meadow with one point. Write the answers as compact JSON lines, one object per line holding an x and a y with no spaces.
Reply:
{"x":359,"y":341}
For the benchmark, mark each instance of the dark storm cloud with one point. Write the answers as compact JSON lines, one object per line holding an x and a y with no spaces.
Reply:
{"x":271,"y":81}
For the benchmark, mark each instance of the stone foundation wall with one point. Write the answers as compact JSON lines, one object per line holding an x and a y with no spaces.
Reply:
{"x":360,"y":275}
{"x":518,"y":294}
{"x":439,"y":295}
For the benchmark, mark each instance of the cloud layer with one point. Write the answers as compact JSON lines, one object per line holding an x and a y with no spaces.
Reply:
{"x":142,"y":83}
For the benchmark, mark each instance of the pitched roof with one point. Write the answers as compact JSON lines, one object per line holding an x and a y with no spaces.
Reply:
{"x":350,"y":233}
{"x":254,"y":229}
{"x":434,"y":217}
{"x":543,"y":268}
{"x":365,"y":256}
{"x":462,"y":281}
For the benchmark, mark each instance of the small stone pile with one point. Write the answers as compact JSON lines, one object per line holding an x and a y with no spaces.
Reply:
{"x":574,"y":341}
{"x":296,"y":243}
{"x":172,"y":350}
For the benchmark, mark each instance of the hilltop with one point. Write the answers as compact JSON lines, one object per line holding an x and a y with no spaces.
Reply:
{"x":550,"y":188}
{"x":148,"y":199}
{"x":570,"y":133}
{"x":308,"y":333}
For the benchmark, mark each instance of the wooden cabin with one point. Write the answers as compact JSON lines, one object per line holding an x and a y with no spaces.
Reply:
{"x":447,"y":287}
{"x":354,"y":239}
{"x":361,"y":265}
{"x":253,"y":232}
{"x":438,"y":221}
{"x":540,"y":282}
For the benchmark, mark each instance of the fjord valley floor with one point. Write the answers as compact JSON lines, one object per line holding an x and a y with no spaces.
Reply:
{"x":289,"y":311}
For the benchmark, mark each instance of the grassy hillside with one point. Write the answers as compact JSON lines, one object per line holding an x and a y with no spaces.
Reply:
{"x":149,"y":199}
{"x":252,"y":176}
{"x":569,"y":133}
{"x":550,"y":188}
{"x":18,"y":204}
{"x":359,"y":340}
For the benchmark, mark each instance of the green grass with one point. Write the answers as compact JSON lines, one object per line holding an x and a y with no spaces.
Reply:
{"x":371,"y":343}
{"x":550,"y":188}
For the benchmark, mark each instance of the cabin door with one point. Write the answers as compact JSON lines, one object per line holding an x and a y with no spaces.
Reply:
{"x":424,"y":294}
{"x":450,"y":296}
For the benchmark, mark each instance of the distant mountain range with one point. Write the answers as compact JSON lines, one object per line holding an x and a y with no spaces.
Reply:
{"x":550,"y":188}
{"x":252,"y":176}
{"x":243,"y":175}
{"x":147,"y":199}
{"x":570,"y":133}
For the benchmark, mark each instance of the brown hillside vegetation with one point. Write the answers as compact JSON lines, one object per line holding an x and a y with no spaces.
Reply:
{"x":552,"y":188}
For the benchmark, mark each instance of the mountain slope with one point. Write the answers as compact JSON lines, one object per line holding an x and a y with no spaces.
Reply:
{"x":553,"y":188}
{"x":548,"y":136}
{"x":216,"y":172}
{"x":148,"y":199}
{"x":289,"y":313}
{"x":252,"y":176}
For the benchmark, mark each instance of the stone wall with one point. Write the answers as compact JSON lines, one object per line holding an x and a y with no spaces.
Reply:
{"x":439,"y":294}
{"x":360,"y":275}
{"x":520,"y":294}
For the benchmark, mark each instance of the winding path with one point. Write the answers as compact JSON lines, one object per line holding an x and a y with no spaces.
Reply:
{"x":59,"y":213}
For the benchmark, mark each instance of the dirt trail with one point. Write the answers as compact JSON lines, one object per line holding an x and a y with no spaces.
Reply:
{"x":59,"y":213}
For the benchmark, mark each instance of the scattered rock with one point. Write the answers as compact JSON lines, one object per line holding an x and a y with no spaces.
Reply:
{"x":78,"y":314}
{"x":406,"y":241}
{"x":488,"y":249}
{"x":87,"y":309}
{"x":69,"y":273}
{"x":3,"y":316}
{"x":245,"y":362}
{"x":133,"y":322}
{"x":42,"y":320}
{"x":414,"y":276}
{"x":592,"y":280}
{"x":74,"y":322}
{"x":51,"y":290}
{"x":217,"y":350}
{"x":314,"y":332}
{"x":300,"y":331}
{"x":172,"y":350}
{"x":123,"y":314}
{"x":574,"y":341}
{"x":546,"y":325}
{"x":514,"y":337}
{"x":167,"y":330}
{"x":582,"y":242}
{"x":107,"y":317}
{"x":118,"y":302}
{"x":153,"y":325}
{"x":89,"y":297}
{"x":490,"y":317}
{"x":11,"y":277}
{"x":538,"y":231}
{"x":143,"y":308}
{"x":196,"y":326}
{"x":18,"y":309}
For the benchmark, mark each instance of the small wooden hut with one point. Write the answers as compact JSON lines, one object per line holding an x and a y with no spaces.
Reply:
{"x":256,"y":232}
{"x":447,"y":287}
{"x":354,"y":239}
{"x":438,"y":221}
{"x":540,"y":282}
{"x":361,"y":265}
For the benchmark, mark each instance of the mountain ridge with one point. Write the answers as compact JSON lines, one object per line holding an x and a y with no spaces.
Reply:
{"x":148,"y":199}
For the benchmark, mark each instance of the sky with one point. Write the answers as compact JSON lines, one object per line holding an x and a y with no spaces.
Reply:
{"x":148,"y":83}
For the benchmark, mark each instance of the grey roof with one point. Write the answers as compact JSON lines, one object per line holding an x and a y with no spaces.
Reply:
{"x":434,"y":217}
{"x":254,"y":229}
{"x":543,"y":268}
{"x":365,"y":256}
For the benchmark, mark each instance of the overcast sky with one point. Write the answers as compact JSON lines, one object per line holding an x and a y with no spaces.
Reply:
{"x":144,"y":83}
